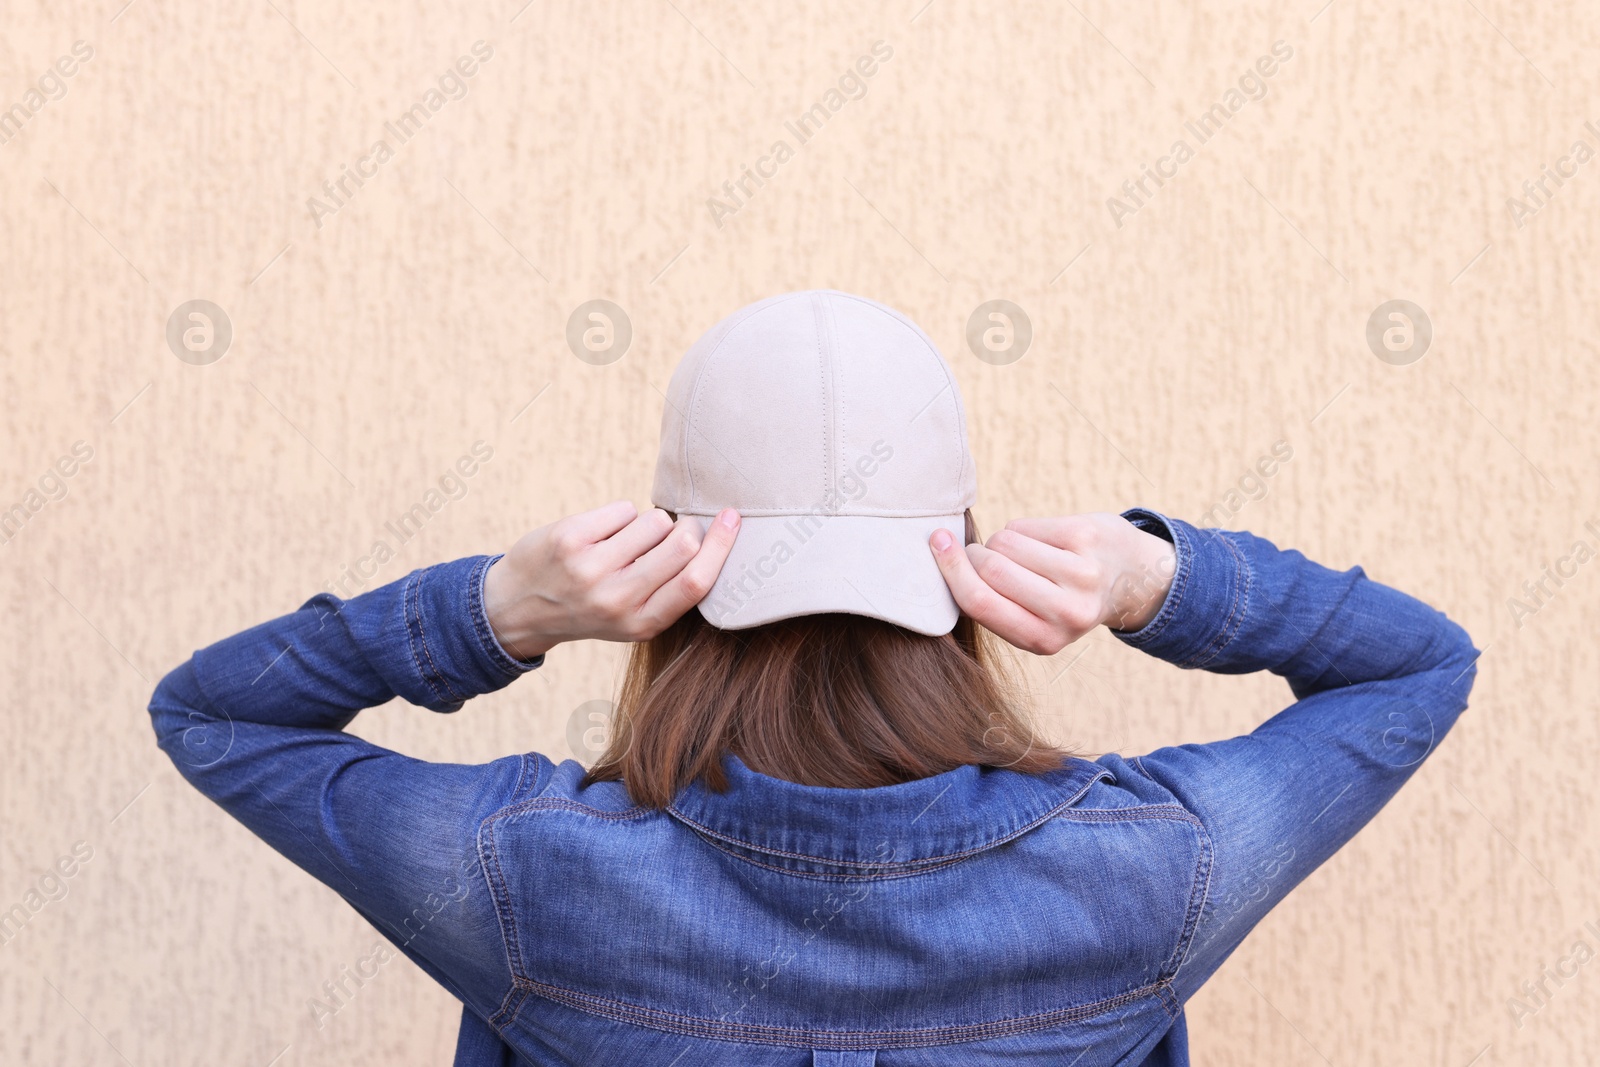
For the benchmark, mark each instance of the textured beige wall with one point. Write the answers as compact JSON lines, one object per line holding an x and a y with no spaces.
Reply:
{"x":1226,"y":313}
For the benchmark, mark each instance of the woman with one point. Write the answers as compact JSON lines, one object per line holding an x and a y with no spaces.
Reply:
{"x":824,"y":832}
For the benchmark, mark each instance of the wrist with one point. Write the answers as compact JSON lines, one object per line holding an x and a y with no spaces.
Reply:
{"x":522,"y":645}
{"x":1145,"y":579}
{"x":505,"y":616}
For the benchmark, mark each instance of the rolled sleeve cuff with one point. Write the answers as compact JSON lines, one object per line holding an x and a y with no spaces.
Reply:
{"x":452,"y":652}
{"x":1207,"y":601}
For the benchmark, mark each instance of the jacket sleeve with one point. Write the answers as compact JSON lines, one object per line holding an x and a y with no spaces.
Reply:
{"x":1378,"y":676}
{"x":256,"y":723}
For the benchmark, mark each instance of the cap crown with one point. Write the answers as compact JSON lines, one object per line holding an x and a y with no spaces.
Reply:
{"x":814,"y":402}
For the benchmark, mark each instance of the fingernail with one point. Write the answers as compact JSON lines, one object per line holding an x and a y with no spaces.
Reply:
{"x":942,"y":540}
{"x":729,"y":519}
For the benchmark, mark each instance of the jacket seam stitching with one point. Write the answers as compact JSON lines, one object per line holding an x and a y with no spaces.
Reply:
{"x":500,"y":894}
{"x":422,"y":629}
{"x":1214,"y":645}
{"x":1202,"y":872}
{"x":1169,"y":812}
{"x":1236,"y":611}
{"x":420,"y":638}
{"x":510,"y":1006}
{"x":1199,"y":890}
{"x":499,"y":888}
{"x":879,"y":866}
{"x":413,"y":629}
{"x":698,"y":1026}
{"x":522,"y":774}
{"x":837,"y":876}
{"x":1169,"y":1000}
{"x":541,"y":803}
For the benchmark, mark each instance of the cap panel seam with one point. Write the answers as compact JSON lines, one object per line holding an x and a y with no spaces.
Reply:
{"x":687,"y":417}
{"x":828,"y":449}
{"x":960,"y":429}
{"x":835,"y":413}
{"x":841,"y":394}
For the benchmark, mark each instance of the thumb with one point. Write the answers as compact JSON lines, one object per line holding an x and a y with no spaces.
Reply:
{"x":977,"y":598}
{"x":972,"y":594}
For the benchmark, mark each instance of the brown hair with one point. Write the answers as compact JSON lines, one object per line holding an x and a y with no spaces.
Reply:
{"x":826,"y":700}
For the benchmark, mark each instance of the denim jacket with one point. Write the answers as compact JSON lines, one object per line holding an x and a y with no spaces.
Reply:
{"x":981,"y":916}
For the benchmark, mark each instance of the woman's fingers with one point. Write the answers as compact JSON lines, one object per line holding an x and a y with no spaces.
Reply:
{"x":1067,"y":611}
{"x":1031,"y":592}
{"x":981,"y":601}
{"x":694,"y":579}
{"x":608,"y":573}
{"x":1063,"y":567}
{"x":576,"y":531}
{"x":634,"y":540}
{"x":1075,"y":533}
{"x":665,"y":560}
{"x":1039,"y":598}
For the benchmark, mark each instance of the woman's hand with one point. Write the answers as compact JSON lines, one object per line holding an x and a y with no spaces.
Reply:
{"x":610,"y":573}
{"x":1043,"y":583}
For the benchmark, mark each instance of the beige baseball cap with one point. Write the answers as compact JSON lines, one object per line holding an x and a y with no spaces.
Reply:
{"x":835,"y":428}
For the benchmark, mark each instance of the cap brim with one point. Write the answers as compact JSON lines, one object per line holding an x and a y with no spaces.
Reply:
{"x":784,"y":566}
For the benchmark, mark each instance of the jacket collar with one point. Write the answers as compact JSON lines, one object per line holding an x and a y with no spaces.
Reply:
{"x":914,"y":824}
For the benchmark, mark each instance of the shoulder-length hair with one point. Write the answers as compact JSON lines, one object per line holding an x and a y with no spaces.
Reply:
{"x":825,"y":700}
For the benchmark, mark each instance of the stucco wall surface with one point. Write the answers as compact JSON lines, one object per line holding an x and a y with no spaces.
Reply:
{"x":1335,"y":158}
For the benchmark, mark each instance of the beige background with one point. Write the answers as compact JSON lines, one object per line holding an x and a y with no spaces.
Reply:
{"x":1223,"y":316}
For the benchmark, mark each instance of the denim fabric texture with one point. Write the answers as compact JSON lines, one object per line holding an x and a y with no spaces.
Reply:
{"x":980,"y":916}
